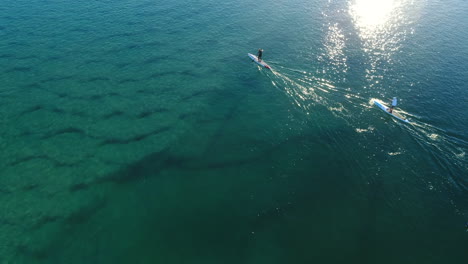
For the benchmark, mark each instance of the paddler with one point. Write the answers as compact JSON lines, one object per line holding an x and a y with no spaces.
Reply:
{"x":394,"y":103}
{"x":259,"y":54}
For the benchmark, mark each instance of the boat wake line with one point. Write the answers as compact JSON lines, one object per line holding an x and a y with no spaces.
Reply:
{"x":307,"y":92}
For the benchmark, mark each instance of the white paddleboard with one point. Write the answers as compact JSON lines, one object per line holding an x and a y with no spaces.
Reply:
{"x":393,"y":113}
{"x":261,"y":63}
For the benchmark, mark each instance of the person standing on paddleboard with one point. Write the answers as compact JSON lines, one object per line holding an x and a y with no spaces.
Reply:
{"x":259,"y":54}
{"x":394,"y":103}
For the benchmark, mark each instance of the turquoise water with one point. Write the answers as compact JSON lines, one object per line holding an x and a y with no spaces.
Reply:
{"x":139,"y":132}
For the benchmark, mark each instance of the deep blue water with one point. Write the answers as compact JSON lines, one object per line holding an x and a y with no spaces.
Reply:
{"x":140,"y":132}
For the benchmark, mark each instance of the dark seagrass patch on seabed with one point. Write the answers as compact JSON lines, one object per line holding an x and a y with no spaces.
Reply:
{"x":152,"y":91}
{"x":122,"y":65}
{"x":151,"y":112}
{"x":79,"y":186}
{"x":113,"y":94}
{"x":92,"y":97}
{"x":68,"y":130}
{"x":31,"y":109}
{"x":113,"y":114}
{"x":155,"y":59}
{"x":40,"y":87}
{"x":157,"y":75}
{"x":31,"y":86}
{"x":97,"y":97}
{"x":52,"y":58}
{"x":188,"y":73}
{"x":132,"y":46}
{"x":36,"y":254}
{"x":43,"y":220}
{"x":29,"y":158}
{"x":79,"y":114}
{"x":198,"y":94}
{"x":127,"y":80}
{"x":30,"y":187}
{"x":19,"y":69}
{"x":41,"y":157}
{"x":188,"y":115}
{"x":149,"y":166}
{"x":4,"y":221}
{"x":57,"y":110}
{"x":119,"y":141}
{"x":6,"y":56}
{"x":152,"y":164}
{"x":84,"y":213}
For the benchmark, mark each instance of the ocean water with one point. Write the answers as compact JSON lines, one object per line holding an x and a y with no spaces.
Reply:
{"x":140,"y":132}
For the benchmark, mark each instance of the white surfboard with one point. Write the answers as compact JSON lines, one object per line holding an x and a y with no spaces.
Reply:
{"x":261,"y":63}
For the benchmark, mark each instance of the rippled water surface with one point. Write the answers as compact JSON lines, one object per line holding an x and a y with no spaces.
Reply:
{"x":140,"y":132}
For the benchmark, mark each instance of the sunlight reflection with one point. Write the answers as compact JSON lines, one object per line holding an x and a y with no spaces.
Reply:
{"x":335,"y":45}
{"x":371,"y":14}
{"x":382,"y":26}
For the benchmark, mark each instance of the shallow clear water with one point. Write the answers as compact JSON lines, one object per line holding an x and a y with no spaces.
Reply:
{"x":140,"y":132}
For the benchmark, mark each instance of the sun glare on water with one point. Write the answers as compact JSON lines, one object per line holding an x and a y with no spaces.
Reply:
{"x":382,"y":25}
{"x":370,"y":15}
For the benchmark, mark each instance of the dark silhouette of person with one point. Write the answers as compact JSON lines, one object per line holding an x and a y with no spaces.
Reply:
{"x":259,"y":54}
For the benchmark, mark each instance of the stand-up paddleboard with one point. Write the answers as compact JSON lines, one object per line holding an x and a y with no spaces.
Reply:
{"x":393,"y":113}
{"x":261,"y":63}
